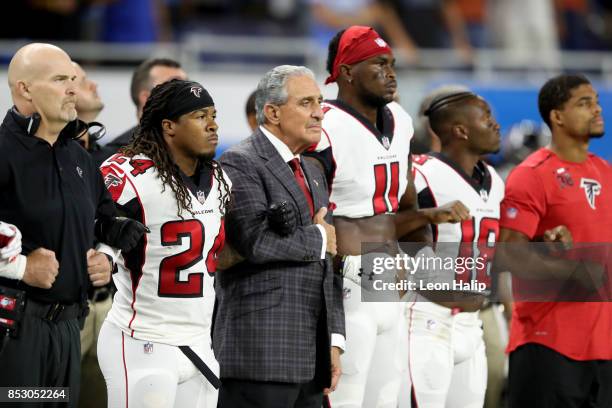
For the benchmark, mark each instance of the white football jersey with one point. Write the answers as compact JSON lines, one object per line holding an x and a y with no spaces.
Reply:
{"x":165,"y":291}
{"x":371,"y":166}
{"x":439,"y":181}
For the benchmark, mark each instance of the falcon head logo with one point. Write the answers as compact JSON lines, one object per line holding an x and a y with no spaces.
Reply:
{"x":112,"y":181}
{"x":196,"y":90}
{"x":592,"y":189}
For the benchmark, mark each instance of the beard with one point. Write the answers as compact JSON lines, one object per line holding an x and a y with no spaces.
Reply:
{"x":597,"y":135}
{"x":68,"y":115}
{"x":375,"y":100}
{"x":207,"y":157}
{"x":490,"y":150}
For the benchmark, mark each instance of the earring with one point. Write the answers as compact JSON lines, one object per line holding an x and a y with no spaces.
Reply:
{"x":350,"y":81}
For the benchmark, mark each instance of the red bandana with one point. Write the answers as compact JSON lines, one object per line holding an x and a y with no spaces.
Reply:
{"x":358,"y":43}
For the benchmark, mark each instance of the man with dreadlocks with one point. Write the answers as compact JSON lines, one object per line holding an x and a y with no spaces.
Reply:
{"x":447,"y":359}
{"x":155,"y":343}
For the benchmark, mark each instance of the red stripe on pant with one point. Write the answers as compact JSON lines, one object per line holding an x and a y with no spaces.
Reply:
{"x":124,"y":368}
{"x":413,"y":400}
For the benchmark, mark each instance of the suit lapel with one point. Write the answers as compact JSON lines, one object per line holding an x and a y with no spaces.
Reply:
{"x":283,"y":174}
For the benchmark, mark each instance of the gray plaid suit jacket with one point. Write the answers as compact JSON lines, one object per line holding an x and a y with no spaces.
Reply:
{"x":268,"y":307}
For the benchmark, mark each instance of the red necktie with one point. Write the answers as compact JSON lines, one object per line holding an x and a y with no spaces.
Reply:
{"x":301,"y":180}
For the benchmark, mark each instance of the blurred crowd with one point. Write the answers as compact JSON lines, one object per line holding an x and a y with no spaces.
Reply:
{"x":516,"y":25}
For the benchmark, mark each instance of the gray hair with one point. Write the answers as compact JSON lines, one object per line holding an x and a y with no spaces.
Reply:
{"x":272,"y":89}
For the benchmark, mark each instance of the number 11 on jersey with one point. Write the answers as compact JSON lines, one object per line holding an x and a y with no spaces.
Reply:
{"x":386,"y":182}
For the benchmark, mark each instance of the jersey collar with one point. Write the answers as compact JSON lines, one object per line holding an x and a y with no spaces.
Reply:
{"x":480,"y":179}
{"x":203,"y":176}
{"x":385,"y":124}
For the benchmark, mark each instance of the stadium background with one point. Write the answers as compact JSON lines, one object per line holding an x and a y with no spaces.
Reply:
{"x":228,"y":45}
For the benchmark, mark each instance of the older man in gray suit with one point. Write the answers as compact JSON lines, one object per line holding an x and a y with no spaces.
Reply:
{"x":280,"y":311}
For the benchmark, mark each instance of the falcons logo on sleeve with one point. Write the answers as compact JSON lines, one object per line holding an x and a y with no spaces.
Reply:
{"x":112,"y":180}
{"x":592,"y":189}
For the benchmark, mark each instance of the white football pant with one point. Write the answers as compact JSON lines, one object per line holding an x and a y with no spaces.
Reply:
{"x":374,"y":361}
{"x":447,"y":365}
{"x":142,"y":374}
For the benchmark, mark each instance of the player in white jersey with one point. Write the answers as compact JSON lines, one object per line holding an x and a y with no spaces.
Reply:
{"x":365,"y":149}
{"x":155,"y":345}
{"x":447,"y":363}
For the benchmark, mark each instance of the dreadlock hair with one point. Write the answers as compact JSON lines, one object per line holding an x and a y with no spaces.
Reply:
{"x":333,"y":51}
{"x":149,"y":141}
{"x":556,"y":91}
{"x":222,"y":187}
{"x":443,"y":108}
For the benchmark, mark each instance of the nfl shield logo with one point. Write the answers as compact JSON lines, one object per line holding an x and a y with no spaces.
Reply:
{"x":380,"y":42}
{"x":385,"y":142}
{"x":201,"y":196}
{"x":431,"y":324}
{"x":484,"y":195}
{"x":512,"y":212}
{"x":148,"y":347}
{"x":346,"y":293}
{"x":564,"y":178}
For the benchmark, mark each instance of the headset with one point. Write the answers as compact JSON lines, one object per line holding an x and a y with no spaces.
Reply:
{"x":77,"y":128}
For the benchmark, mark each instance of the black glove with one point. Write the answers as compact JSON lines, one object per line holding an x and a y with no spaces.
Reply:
{"x":281,"y":218}
{"x":120,"y":232}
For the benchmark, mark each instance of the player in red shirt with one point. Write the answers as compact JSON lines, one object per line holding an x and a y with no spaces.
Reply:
{"x":560,"y":352}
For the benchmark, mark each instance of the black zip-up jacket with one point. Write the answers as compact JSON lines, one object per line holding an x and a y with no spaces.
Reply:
{"x":53,"y":194}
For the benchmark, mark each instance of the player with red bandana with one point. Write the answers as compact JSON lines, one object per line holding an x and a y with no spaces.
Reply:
{"x":365,"y":150}
{"x":560,"y":352}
